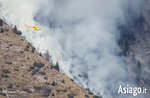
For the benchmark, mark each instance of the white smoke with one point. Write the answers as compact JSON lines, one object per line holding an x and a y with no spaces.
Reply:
{"x":81,"y":35}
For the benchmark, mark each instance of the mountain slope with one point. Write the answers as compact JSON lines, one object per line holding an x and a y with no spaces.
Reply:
{"x":24,"y":73}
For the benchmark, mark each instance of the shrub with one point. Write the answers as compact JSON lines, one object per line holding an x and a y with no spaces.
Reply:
{"x":47,"y":83}
{"x":125,"y":48}
{"x":31,"y":68}
{"x":47,"y":56}
{"x":3,"y":94}
{"x":8,"y":62}
{"x":42,"y":73}
{"x":10,"y":86}
{"x":95,"y":96}
{"x":16,"y":31}
{"x":26,"y":49}
{"x":16,"y":69}
{"x":21,"y":51}
{"x":86,"y":95}
{"x":37,"y":87}
{"x":27,"y":90}
{"x":5,"y":76}
{"x":56,"y":66}
{"x":10,"y":44}
{"x":71,"y":79}
{"x":63,"y":81}
{"x":70,"y":96}
{"x":40,"y":54}
{"x":35,"y":71}
{"x":63,"y":90}
{"x":54,"y":84}
{"x":6,"y":71}
{"x":2,"y":30}
{"x":17,"y":85}
{"x":46,"y":92}
{"x":58,"y":90}
{"x":33,"y":49}
{"x":6,"y":29}
{"x":45,"y":78}
{"x":53,"y":94}
{"x":39,"y":65}
{"x":1,"y":22}
{"x":28,"y":46}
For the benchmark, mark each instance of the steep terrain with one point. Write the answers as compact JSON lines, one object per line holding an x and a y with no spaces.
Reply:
{"x":135,"y":43}
{"x":24,"y":73}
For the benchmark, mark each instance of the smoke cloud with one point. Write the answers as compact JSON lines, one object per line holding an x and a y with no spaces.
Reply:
{"x":81,"y":35}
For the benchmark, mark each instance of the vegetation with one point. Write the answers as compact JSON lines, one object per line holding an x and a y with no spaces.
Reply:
{"x":87,"y":96}
{"x":40,"y":54}
{"x":33,"y":49}
{"x":63,"y":81}
{"x":39,"y":65}
{"x":63,"y":90}
{"x":53,"y":94}
{"x":5,"y":76}
{"x":55,"y":67}
{"x":6,"y":71}
{"x":46,"y":92}
{"x":10,"y":86}
{"x":21,"y":51}
{"x":89,"y":92}
{"x":125,"y":48}
{"x":47,"y":56}
{"x":1,"y":22}
{"x":8,"y":62}
{"x":45,"y":78}
{"x":2,"y":30}
{"x":31,"y":68}
{"x":10,"y":44}
{"x":6,"y":29}
{"x":42,"y":73}
{"x":138,"y":71}
{"x":70,"y":95}
{"x":27,"y":90}
{"x":71,"y":79}
{"x":95,"y":96}
{"x":37,"y":87}
{"x":26,"y":49}
{"x":16,"y":69}
{"x":28,"y":46}
{"x":58,"y":90}
{"x":16,"y":31}
{"x":54,"y":84}
{"x":34,"y":71}
{"x":3,"y":94}
{"x":47,"y":83}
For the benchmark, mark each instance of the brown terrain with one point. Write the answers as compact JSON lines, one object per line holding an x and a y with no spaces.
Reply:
{"x":24,"y":73}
